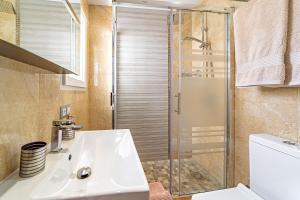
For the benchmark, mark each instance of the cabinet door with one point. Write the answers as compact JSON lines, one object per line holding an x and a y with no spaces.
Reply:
{"x":49,"y":29}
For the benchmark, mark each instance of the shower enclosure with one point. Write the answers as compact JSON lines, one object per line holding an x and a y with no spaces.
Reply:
{"x":171,"y":89}
{"x":199,"y":101}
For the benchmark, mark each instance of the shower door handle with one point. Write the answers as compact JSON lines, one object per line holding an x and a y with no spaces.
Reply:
{"x":112,"y":100}
{"x":178,"y":96}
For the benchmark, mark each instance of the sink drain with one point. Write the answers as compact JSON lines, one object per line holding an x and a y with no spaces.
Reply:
{"x":84,"y":172}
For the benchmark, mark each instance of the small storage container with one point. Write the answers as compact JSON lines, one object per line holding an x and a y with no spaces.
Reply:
{"x":33,"y":159}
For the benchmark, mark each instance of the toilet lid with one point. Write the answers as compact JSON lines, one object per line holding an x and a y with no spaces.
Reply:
{"x":239,"y":193}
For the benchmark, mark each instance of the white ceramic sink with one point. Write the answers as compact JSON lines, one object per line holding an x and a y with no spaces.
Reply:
{"x":117,"y":173}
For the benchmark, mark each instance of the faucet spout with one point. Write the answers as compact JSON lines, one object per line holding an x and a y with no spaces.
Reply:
{"x":56,"y":137}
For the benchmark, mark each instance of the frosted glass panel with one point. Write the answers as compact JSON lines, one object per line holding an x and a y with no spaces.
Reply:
{"x":199,"y":89}
{"x":204,"y":102}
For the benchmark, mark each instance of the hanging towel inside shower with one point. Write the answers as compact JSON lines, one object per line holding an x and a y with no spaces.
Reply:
{"x":293,"y":45}
{"x":260,"y":30}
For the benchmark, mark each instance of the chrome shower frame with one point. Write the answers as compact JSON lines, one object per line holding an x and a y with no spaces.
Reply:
{"x":229,"y":138}
{"x":229,"y":83}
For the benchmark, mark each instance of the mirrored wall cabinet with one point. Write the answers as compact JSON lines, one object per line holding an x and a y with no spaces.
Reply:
{"x":43,"y":33}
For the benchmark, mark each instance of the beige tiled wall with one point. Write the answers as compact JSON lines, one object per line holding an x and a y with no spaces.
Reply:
{"x":29,"y":102}
{"x":263,"y":110}
{"x":100,"y":57}
{"x":30,"y":98}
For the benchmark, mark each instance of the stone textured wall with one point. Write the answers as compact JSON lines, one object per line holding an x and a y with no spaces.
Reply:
{"x":263,"y":110}
{"x":29,"y":102}
{"x":30,"y":98}
{"x":100,"y":59}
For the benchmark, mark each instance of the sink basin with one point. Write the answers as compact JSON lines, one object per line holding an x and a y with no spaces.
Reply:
{"x":111,"y":157}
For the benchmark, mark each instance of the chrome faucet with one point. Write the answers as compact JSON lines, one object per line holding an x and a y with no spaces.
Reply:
{"x":56,"y":136}
{"x":63,"y":129}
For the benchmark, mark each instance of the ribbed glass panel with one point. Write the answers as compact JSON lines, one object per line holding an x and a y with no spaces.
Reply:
{"x":142,"y":79}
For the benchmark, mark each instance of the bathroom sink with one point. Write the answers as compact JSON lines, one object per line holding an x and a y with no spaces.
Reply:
{"x":115,"y":171}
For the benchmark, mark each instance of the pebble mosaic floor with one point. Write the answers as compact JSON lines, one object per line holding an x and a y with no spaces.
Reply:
{"x":194,"y":179}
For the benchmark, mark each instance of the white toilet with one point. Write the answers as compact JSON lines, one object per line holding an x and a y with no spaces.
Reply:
{"x":274,"y":172}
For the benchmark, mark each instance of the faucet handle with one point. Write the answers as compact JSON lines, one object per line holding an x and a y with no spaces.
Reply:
{"x":62,"y":122}
{"x":57,"y":122}
{"x":77,"y":127}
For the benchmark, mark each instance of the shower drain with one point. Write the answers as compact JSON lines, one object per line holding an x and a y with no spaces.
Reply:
{"x":84,"y":173}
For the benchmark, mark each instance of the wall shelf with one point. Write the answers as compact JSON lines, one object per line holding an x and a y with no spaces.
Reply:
{"x":19,"y":54}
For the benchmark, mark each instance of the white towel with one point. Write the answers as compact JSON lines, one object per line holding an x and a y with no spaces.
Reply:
{"x":293,"y":45}
{"x":260,"y":30}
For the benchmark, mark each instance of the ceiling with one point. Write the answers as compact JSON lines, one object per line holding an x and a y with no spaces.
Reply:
{"x":159,"y":3}
{"x":166,"y":3}
{"x":188,"y":4}
{"x":100,"y":2}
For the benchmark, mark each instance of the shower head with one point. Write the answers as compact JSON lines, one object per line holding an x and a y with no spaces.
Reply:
{"x":202,"y":43}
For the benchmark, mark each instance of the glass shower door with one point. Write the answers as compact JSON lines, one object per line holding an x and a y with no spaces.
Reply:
{"x":141,"y":84}
{"x":199,"y":102}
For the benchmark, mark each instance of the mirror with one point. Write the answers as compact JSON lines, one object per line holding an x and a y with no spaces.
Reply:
{"x":47,"y":28}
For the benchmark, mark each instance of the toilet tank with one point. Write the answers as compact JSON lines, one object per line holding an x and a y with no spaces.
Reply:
{"x":274,"y":168}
